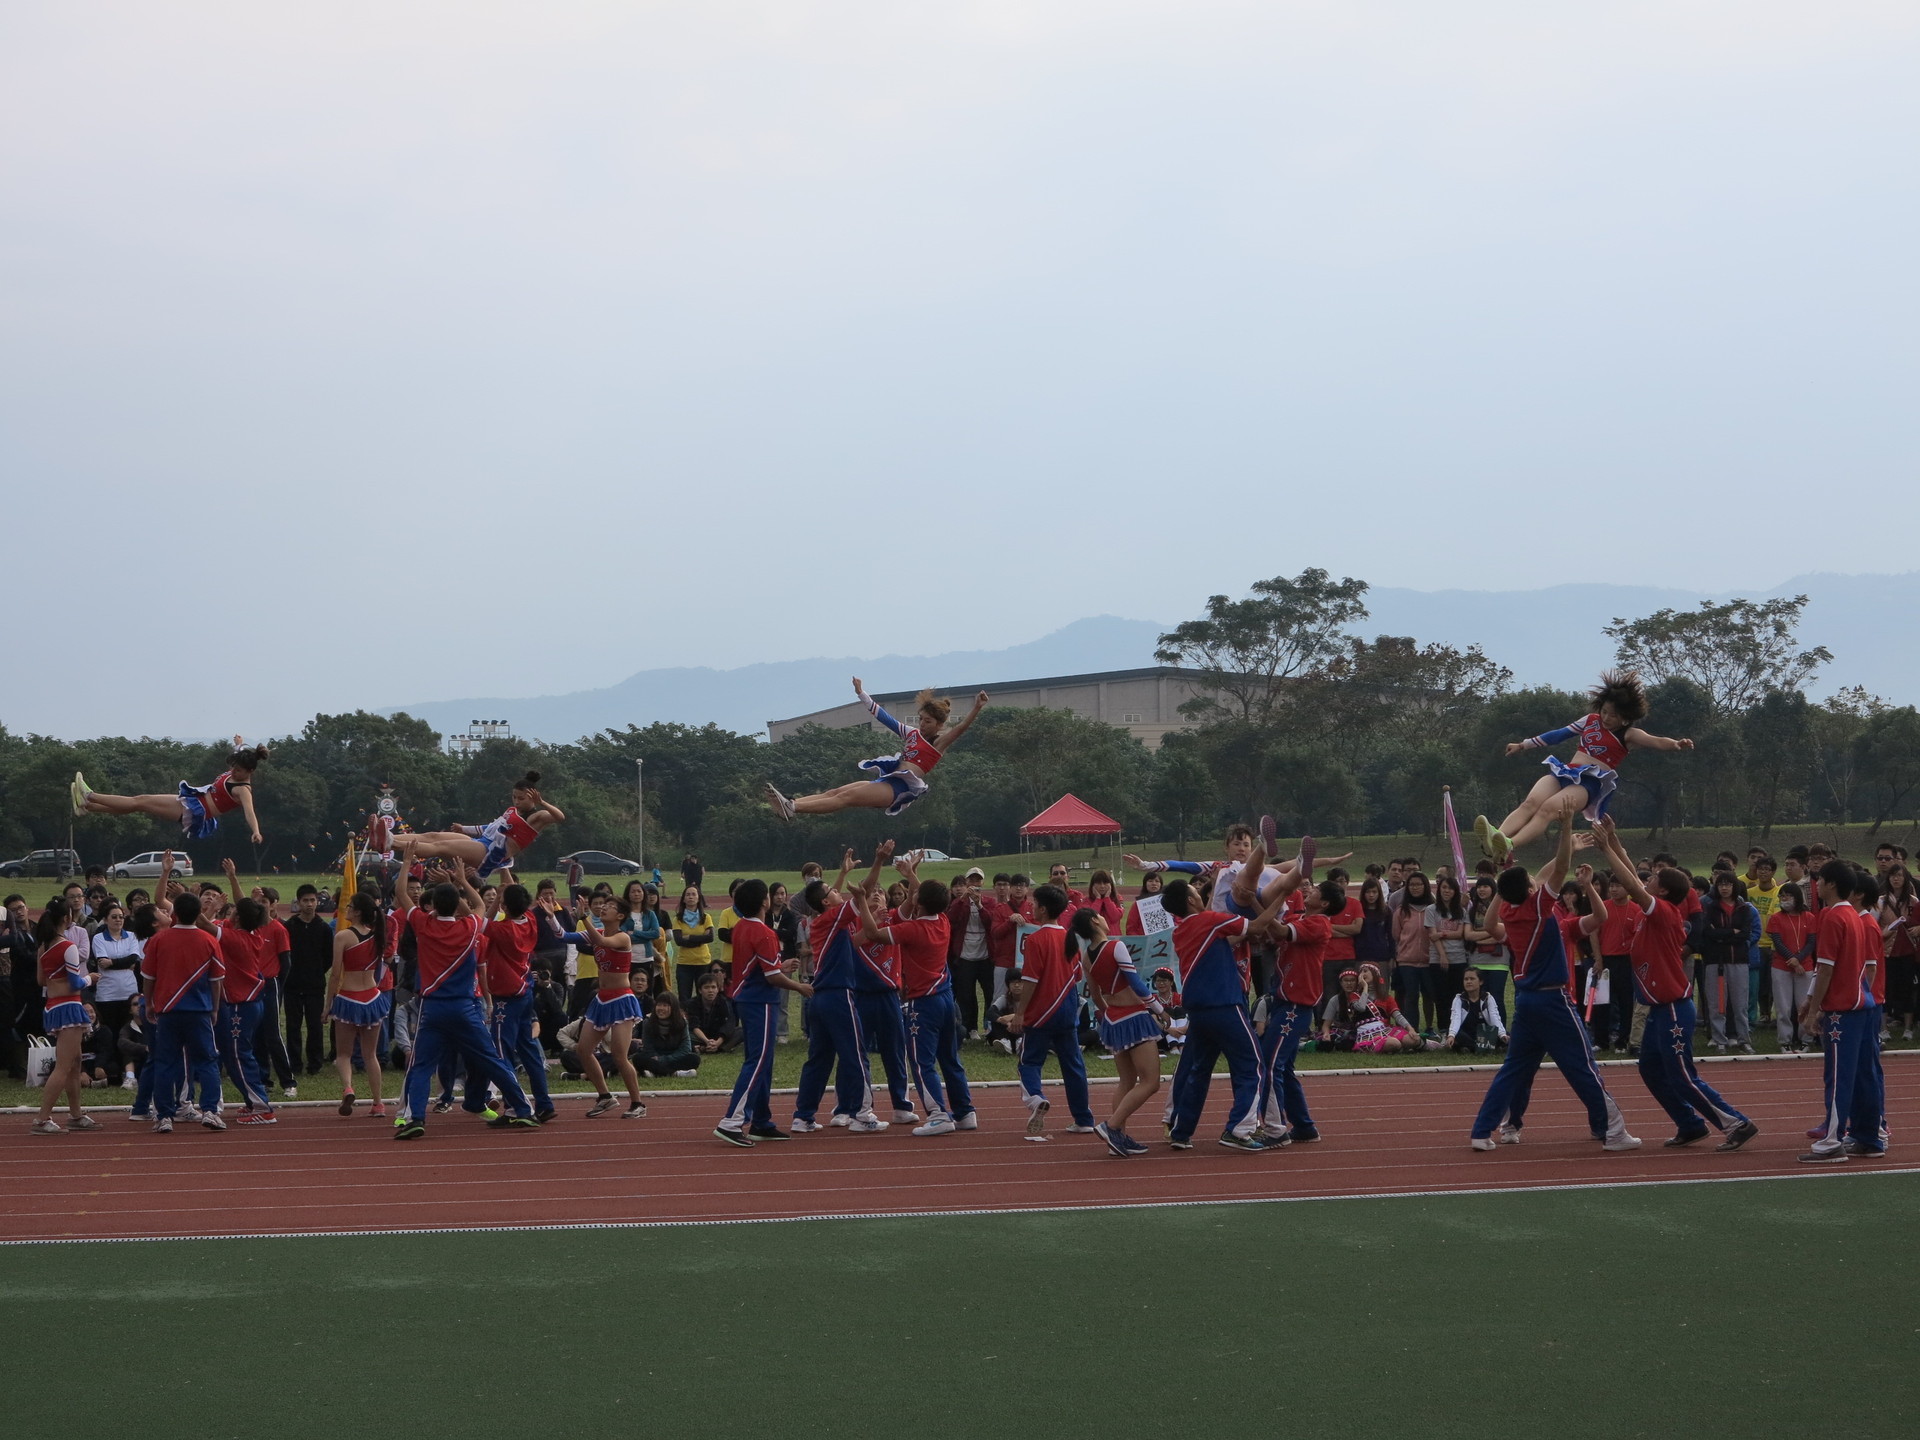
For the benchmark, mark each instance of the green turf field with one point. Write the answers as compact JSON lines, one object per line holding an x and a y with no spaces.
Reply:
{"x":1771,"y":1307}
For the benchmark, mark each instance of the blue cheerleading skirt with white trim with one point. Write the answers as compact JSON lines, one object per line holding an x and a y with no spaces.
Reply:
{"x":196,"y":819}
{"x":63,"y":1015}
{"x":1597,"y":780}
{"x":908,"y":786}
{"x":605,"y":1014}
{"x":362,"y":1012}
{"x":494,"y":837}
{"x":1125,"y":1034}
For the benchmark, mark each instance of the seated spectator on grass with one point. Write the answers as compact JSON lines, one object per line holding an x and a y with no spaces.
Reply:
{"x":666,"y":1039}
{"x":1475,"y":1025}
{"x":132,"y":1042}
{"x":99,"y":1052}
{"x":710,"y":1017}
{"x":1175,"y":1035}
{"x":569,"y":1038}
{"x":1340,"y":1016}
{"x":1383,"y":1029}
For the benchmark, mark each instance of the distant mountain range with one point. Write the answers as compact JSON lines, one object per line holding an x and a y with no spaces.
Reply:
{"x":1547,"y":636}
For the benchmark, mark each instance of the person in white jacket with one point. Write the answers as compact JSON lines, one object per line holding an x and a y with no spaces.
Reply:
{"x":1475,"y":1023}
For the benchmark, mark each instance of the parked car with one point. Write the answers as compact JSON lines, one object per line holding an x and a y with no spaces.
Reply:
{"x":43,"y":862}
{"x":600,"y":862}
{"x":933,"y":855}
{"x":147,"y":866}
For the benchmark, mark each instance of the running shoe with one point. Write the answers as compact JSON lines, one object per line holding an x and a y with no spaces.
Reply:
{"x":906,"y":1117}
{"x":733,"y":1137}
{"x":601,"y":1106}
{"x":1308,"y":849}
{"x":163,"y":1126}
{"x":636,"y":1111}
{"x":257,"y":1117}
{"x":346,"y":1103}
{"x":211,"y":1120}
{"x":1739,"y":1135}
{"x":513,"y":1122}
{"x":83,"y":1122}
{"x":1686,"y":1137}
{"x":291,"y":1092}
{"x":1134,"y":1147}
{"x":782,"y":806}
{"x":547,"y":1116}
{"x":1502,"y":847}
{"x":840,"y":1121}
{"x":1082,"y":1129}
{"x":1818,"y":1132}
{"x":1817,"y":1156}
{"x":80,"y":791}
{"x":1037,"y":1120}
{"x":410,"y":1130}
{"x":968,"y":1121}
{"x":685,"y":1074}
{"x":1851,"y":1147}
{"x":1269,"y":837}
{"x":49,"y":1126}
{"x":797,"y":1126}
{"x":1620,"y":1140}
{"x":137,"y":1115}
{"x":1483,"y":1142}
{"x":1304,"y":1134}
{"x":1116,"y":1142}
{"x":937,"y":1124}
{"x":1175,"y":1143}
{"x":377,"y":1110}
{"x":443,"y":1105}
{"x":768,"y":1132}
{"x":1483,"y":832}
{"x":866,"y":1125}
{"x":127,"y":1082}
{"x":1242,"y":1142}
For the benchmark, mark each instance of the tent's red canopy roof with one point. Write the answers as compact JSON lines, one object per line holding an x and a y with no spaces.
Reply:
{"x":1070,"y":815}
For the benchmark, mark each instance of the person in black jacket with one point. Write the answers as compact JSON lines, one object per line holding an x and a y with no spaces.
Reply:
{"x":1729,"y":925}
{"x":711,"y":1018}
{"x":310,"y":959}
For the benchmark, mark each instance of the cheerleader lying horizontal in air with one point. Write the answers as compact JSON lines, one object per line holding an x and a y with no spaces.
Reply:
{"x":903,"y":777}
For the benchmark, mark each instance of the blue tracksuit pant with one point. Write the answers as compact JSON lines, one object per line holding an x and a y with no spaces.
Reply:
{"x":1061,"y":1036}
{"x":453,"y":1025}
{"x":1856,"y":1104}
{"x":1545,"y":1023}
{"x":149,"y":1072}
{"x":1213,"y":1031}
{"x":834,"y":1033}
{"x":751,"y":1107}
{"x":513,"y":1038}
{"x":933,"y":1048}
{"x":184,"y":1036}
{"x":1666,"y":1064}
{"x":886,"y":1034}
{"x":1282,"y":1101}
{"x":236,"y":1028}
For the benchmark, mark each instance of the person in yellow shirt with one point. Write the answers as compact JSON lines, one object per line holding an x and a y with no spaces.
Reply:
{"x":723,"y":931}
{"x":1763,"y":893}
{"x":693,"y":937}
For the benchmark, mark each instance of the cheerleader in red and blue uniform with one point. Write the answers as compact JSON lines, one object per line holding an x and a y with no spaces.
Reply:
{"x":356,"y":1003}
{"x":758,"y":979}
{"x":1586,"y":783}
{"x":615,"y":1010}
{"x":901,"y":778}
{"x":196,"y":809}
{"x":63,"y":975}
{"x":490,"y":847}
{"x":1131,"y":1022}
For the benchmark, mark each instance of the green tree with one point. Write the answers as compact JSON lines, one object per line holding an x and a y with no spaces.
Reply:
{"x":1182,"y":793}
{"x":1887,"y":752}
{"x":1247,"y":650}
{"x":1777,"y":734}
{"x":1735,"y":651}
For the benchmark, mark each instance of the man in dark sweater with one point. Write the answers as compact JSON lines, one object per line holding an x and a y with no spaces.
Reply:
{"x":311,"y":949}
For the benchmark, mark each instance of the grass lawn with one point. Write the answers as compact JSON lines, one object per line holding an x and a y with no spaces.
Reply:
{"x":1708,"y":1310}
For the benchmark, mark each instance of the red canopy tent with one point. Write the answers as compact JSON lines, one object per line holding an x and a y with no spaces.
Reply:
{"x":1070,"y":815}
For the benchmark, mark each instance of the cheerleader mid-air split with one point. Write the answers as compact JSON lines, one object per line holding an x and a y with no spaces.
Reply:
{"x":903,"y":777}
{"x":486,"y":848}
{"x":1586,"y":783}
{"x":196,"y":808}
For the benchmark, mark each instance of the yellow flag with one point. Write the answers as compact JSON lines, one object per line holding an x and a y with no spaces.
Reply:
{"x":349,"y":884}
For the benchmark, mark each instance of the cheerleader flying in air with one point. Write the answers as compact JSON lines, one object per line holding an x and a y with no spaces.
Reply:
{"x":1585,"y":783}
{"x":196,"y":808}
{"x":484,"y":848}
{"x":903,"y":777}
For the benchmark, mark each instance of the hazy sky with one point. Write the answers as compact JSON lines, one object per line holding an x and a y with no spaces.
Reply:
{"x":354,"y":354}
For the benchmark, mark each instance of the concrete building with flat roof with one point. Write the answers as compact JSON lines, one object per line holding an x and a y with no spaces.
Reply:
{"x":1145,"y":703}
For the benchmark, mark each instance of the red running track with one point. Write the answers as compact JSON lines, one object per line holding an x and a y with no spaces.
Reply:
{"x":1386,"y":1133}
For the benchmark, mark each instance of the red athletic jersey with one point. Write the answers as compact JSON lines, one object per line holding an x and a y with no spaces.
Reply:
{"x":922,"y":947}
{"x":1872,"y":946}
{"x":1052,"y":968}
{"x":1111,"y":968}
{"x":1599,"y":742}
{"x":1660,"y":954}
{"x":510,"y":946}
{"x":1790,"y":930}
{"x":275,"y":942}
{"x":756,"y":957}
{"x":1840,"y":946}
{"x":177,"y":959}
{"x":1340,"y":947}
{"x":61,"y":961}
{"x":1207,"y":965}
{"x":244,"y":955}
{"x":1618,"y":929}
{"x":1900,"y":942}
{"x":918,"y":751}
{"x":447,"y":947}
{"x":1301,"y":964}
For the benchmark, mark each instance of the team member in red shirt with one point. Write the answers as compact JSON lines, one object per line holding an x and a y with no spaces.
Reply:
{"x":508,"y":944}
{"x":754,"y":987}
{"x":1658,"y":957}
{"x":919,"y":934}
{"x":1046,"y":1015}
{"x":182,"y":966}
{"x":243,"y":954}
{"x":1842,"y":999}
{"x":1613,"y":1022}
{"x":1290,"y":1006}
